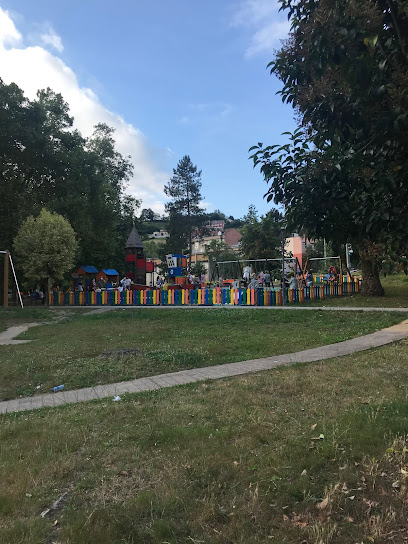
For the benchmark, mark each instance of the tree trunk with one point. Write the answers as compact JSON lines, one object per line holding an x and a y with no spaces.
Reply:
{"x":370,"y":268}
{"x":47,"y":284}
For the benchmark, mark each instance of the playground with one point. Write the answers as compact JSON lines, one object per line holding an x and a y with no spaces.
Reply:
{"x":293,"y":454}
{"x":240,"y":283}
{"x":254,"y":282}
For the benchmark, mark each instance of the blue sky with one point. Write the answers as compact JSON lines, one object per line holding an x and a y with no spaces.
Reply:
{"x":174,"y":78}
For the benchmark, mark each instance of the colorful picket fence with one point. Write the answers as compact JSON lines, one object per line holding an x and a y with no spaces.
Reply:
{"x":204,"y":297}
{"x":321,"y":278}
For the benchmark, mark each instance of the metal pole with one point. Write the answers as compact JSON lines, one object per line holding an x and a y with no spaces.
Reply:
{"x":347,"y":255}
{"x":15,"y":279}
{"x":325,"y":254}
{"x":283,"y":233}
{"x":5,"y":279}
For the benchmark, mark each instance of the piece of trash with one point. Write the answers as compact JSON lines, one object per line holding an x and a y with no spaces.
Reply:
{"x":38,"y":387}
{"x":116,"y":399}
{"x":54,"y":505}
{"x":58,"y":388}
{"x":313,"y":427}
{"x":320,"y":437}
{"x":304,"y":472}
{"x":29,"y":495}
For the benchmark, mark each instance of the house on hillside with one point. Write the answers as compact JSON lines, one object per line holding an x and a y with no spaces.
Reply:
{"x":159,"y":235}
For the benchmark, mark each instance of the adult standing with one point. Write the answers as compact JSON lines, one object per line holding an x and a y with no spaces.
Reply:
{"x":267,"y":279}
{"x":246,"y":273}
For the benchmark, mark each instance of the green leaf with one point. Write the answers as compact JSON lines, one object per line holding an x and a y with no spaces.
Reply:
{"x":371,"y":41}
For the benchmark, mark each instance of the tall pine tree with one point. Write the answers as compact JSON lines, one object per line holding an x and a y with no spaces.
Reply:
{"x":185,"y":213}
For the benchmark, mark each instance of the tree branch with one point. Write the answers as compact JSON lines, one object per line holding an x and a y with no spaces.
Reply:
{"x":397,"y":30}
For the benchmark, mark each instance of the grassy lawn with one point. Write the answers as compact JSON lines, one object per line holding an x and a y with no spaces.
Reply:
{"x":69,"y":352}
{"x":396,"y":296}
{"x":313,"y":454}
{"x":16,"y":316}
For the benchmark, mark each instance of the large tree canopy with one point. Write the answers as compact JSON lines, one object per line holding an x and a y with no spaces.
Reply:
{"x":343,"y":173}
{"x":44,"y":162}
{"x":46,"y":248}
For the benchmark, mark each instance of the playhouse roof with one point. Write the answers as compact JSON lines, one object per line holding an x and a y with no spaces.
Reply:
{"x":134,"y":239}
{"x":89,"y":269}
{"x":110,"y":271}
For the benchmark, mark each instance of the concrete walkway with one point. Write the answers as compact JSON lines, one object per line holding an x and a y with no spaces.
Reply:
{"x":6,"y":337}
{"x":369,"y":341}
{"x":100,"y":309}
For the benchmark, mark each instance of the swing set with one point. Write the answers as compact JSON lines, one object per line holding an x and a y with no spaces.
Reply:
{"x":337,"y":260}
{"x":235,"y":269}
{"x":7,"y":260}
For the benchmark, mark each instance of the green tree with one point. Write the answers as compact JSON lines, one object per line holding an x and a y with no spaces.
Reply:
{"x":261,"y":237}
{"x":147,"y":214}
{"x":46,"y":247}
{"x":44,"y":162}
{"x":217,"y":252}
{"x":197,"y":269}
{"x":342,"y":176}
{"x":252,"y":216}
{"x":185,"y":213}
{"x":317,"y":249}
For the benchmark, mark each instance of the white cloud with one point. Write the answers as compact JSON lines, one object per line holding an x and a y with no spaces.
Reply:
{"x":212,"y":112}
{"x":9,"y":35}
{"x":50,"y":37}
{"x":33,"y":68}
{"x":266,"y":39}
{"x":266,"y":25}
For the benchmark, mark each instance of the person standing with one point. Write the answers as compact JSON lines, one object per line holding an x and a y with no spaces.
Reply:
{"x":267,"y":279}
{"x":246,"y":273}
{"x":293,"y":284}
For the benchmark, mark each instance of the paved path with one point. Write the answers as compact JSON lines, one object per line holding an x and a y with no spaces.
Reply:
{"x":100,"y":309}
{"x":376,"y":339}
{"x":6,"y":337}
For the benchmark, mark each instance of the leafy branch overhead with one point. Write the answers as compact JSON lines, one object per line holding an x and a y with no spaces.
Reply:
{"x":342,"y":174}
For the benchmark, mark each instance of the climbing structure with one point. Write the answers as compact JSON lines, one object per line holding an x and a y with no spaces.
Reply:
{"x":135,"y":258}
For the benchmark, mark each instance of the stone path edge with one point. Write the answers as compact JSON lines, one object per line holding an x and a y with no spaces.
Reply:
{"x":369,"y":341}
